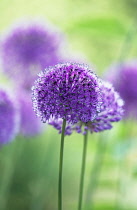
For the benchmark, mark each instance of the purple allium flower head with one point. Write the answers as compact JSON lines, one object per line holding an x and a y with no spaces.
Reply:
{"x":9,"y":117}
{"x":111,"y":111}
{"x":30,"y":125}
{"x":28,"y":48}
{"x":68,"y":91}
{"x":124,"y":78}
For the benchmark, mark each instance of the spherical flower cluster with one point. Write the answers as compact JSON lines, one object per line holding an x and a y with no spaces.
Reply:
{"x":9,"y":118}
{"x":111,"y":111}
{"x":124,"y":78}
{"x":30,"y":125}
{"x":28,"y":48}
{"x":68,"y":91}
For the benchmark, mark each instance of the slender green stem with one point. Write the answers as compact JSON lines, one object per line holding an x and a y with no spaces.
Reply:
{"x":61,"y":166}
{"x":82,"y":171}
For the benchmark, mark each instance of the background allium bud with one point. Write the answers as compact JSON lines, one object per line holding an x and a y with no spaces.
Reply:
{"x":29,"y":48}
{"x":124,"y":78}
{"x":9,"y":117}
{"x":67,"y":91}
{"x":30,"y":125}
{"x":111,"y":111}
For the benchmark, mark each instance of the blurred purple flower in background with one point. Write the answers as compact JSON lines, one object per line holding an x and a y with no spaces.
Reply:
{"x":124,"y":78}
{"x":68,"y":91}
{"x":29,"y":48}
{"x":30,"y":125}
{"x":111,"y":111}
{"x":9,"y":117}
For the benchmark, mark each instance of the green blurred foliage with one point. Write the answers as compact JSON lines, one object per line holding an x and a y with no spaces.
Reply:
{"x":29,"y":167}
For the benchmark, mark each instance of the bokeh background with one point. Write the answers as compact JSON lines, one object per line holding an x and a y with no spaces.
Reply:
{"x":102,"y":32}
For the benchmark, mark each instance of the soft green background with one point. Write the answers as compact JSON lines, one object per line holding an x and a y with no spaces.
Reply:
{"x":102,"y":31}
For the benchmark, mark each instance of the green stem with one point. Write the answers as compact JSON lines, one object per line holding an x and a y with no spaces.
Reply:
{"x":82,"y":171}
{"x":61,"y":166}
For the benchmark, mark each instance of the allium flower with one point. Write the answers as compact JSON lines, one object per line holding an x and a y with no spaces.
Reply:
{"x":9,"y":118}
{"x":67,"y":91}
{"x":29,"y":48}
{"x":111,"y":111}
{"x":30,"y":125}
{"x":124,"y":78}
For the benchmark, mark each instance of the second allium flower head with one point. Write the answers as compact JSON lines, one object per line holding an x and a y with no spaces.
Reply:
{"x":67,"y":91}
